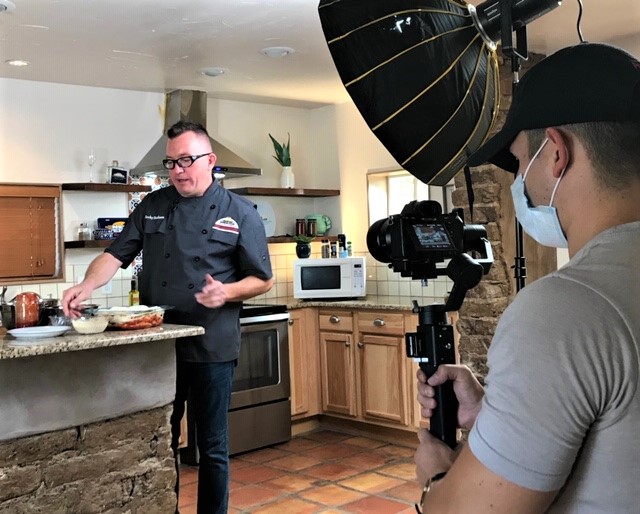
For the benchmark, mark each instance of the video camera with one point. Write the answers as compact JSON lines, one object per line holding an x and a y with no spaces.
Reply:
{"x":416,"y":240}
{"x":413,"y":243}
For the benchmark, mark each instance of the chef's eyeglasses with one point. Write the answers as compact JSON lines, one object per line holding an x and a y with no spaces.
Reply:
{"x":183,"y":162}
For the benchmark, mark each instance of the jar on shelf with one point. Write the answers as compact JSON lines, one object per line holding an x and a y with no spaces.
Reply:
{"x":84,"y":232}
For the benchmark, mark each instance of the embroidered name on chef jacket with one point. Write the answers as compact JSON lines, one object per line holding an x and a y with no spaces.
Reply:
{"x":148,"y":217}
{"x":227,"y":224}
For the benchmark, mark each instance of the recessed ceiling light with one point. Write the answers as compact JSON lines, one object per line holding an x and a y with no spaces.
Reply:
{"x":277,"y":51}
{"x":214,"y":71}
{"x":5,"y":5}
{"x":17,"y":62}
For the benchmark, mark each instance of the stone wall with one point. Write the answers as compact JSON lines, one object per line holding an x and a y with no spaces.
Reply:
{"x":493,"y":208}
{"x":124,"y":465}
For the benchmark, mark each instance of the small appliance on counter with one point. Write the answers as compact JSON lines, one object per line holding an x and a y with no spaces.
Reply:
{"x":337,"y":279}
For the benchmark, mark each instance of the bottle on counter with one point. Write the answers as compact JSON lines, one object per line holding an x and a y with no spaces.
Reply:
{"x":326,"y":251}
{"x":342,"y":242}
{"x":334,"y":250}
{"x":349,"y":249}
{"x":134,"y":294}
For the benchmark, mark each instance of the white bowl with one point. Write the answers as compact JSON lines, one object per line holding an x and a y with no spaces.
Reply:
{"x":90,"y":324}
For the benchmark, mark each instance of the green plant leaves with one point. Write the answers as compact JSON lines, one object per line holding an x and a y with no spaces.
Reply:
{"x":283,"y":154}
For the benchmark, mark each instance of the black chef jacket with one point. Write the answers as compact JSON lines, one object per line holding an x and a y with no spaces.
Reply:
{"x":183,"y":239}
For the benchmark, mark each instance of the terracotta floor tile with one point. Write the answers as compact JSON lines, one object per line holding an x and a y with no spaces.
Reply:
{"x":188,"y":474}
{"x":188,"y":494}
{"x":235,"y":464}
{"x":364,"y":442}
{"x":264,"y":455}
{"x":332,"y":451}
{"x":408,"y":491}
{"x":331,"y":471}
{"x":255,"y":474}
{"x":366,"y":461}
{"x":249,"y":495}
{"x":189,"y":509}
{"x":404,"y":470}
{"x":288,"y":506}
{"x":331,"y":495}
{"x":370,"y":483}
{"x":326,"y":436}
{"x":331,"y":511}
{"x":291,"y":483}
{"x":401,"y":452}
{"x":374,"y":505}
{"x":294,"y":462}
{"x":298,"y":444}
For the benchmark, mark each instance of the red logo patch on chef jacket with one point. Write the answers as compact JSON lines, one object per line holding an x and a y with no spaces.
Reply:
{"x":227,"y":224}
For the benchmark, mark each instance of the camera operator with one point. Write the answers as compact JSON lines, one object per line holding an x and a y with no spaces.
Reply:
{"x":554,"y":429}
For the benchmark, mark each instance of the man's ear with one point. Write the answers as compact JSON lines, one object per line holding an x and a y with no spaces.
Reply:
{"x":561,"y":145}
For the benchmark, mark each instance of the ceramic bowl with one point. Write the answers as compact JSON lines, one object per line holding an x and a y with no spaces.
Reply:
{"x":90,"y":324}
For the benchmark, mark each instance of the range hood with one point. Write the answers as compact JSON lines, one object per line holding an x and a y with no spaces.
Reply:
{"x":183,"y":104}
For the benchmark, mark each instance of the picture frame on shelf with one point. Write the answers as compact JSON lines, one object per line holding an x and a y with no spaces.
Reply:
{"x":118,"y":175}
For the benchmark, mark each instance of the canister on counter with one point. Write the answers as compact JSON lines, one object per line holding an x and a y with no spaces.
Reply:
{"x":301,"y":226}
{"x":326,"y":251}
{"x":334,"y":250}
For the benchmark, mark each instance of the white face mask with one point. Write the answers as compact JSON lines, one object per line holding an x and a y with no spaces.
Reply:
{"x":540,"y":222}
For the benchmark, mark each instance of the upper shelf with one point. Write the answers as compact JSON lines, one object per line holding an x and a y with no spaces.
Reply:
{"x":277,"y":191}
{"x":103,"y":187}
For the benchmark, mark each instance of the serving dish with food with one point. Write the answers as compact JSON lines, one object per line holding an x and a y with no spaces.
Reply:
{"x":134,"y":317}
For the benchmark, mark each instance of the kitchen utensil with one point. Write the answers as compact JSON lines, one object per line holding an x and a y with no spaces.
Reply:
{"x":323,"y":223}
{"x":27,"y":309}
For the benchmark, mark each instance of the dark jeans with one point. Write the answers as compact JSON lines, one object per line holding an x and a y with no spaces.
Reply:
{"x":209,"y":384}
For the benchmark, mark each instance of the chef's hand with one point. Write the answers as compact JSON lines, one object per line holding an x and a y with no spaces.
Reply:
{"x":73,"y":297}
{"x":466,"y":387}
{"x":432,"y":456}
{"x":213,"y":293}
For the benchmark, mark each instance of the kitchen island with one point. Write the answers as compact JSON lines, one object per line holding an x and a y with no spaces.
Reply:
{"x":85,"y":421}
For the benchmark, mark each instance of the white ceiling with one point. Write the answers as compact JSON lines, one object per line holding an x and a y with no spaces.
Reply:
{"x":160,"y":45}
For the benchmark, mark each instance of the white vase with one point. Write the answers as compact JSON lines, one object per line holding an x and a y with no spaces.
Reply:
{"x":286,"y":177}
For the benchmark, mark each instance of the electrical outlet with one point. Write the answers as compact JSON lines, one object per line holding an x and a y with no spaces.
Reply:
{"x":108,"y":287}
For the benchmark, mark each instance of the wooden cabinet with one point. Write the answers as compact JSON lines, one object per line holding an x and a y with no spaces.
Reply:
{"x":363,"y":365}
{"x":304,"y":363}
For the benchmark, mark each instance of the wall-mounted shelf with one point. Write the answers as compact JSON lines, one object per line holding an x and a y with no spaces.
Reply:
{"x":277,"y":191}
{"x":290,"y":239}
{"x":92,"y":243}
{"x":105,"y":188}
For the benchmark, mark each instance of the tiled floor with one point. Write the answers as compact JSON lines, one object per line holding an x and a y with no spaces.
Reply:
{"x":320,"y":472}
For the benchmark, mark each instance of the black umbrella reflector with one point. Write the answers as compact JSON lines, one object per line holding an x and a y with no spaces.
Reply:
{"x":421,"y":75}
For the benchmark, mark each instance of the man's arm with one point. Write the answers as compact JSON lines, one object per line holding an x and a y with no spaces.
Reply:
{"x":99,"y":272}
{"x":469,"y":486}
{"x":215,"y":293}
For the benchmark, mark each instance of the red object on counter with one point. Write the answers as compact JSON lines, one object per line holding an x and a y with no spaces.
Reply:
{"x":27,"y":309}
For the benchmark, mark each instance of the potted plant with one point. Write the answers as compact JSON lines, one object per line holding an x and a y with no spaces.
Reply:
{"x":303,"y":245}
{"x":283,"y":157}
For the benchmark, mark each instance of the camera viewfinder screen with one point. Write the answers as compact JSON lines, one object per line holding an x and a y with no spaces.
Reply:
{"x":432,"y":236}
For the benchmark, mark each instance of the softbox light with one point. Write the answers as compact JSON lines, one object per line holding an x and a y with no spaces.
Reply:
{"x":421,"y":75}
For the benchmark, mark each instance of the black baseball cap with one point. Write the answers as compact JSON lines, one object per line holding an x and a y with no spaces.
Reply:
{"x":582,"y":83}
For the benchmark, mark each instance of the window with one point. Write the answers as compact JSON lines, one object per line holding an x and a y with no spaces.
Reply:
{"x":30,"y":236}
{"x":389,"y":191}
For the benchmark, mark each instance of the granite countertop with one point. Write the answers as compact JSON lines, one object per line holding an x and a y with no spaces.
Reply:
{"x":390,"y":303}
{"x":13,"y":348}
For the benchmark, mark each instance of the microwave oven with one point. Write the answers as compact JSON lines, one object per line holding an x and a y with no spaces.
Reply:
{"x":341,"y":278}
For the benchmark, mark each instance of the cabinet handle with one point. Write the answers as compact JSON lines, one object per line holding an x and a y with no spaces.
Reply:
{"x":378,"y":322}
{"x":290,"y":322}
{"x":347,"y":343}
{"x":360,"y":344}
{"x":334,"y":319}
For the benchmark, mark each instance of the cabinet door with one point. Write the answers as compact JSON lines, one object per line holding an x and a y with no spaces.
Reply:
{"x":338,"y":373}
{"x":304,"y":363}
{"x":383,"y":379}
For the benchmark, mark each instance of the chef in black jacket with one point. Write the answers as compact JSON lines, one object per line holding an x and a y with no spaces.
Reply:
{"x":204,"y":252}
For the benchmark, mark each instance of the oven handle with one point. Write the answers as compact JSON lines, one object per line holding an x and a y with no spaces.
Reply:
{"x":265,"y":317}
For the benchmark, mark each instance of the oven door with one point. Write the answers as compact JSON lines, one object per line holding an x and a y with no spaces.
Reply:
{"x":262,"y":373}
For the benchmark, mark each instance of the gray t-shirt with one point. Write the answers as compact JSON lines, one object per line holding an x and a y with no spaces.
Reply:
{"x":562,"y":409}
